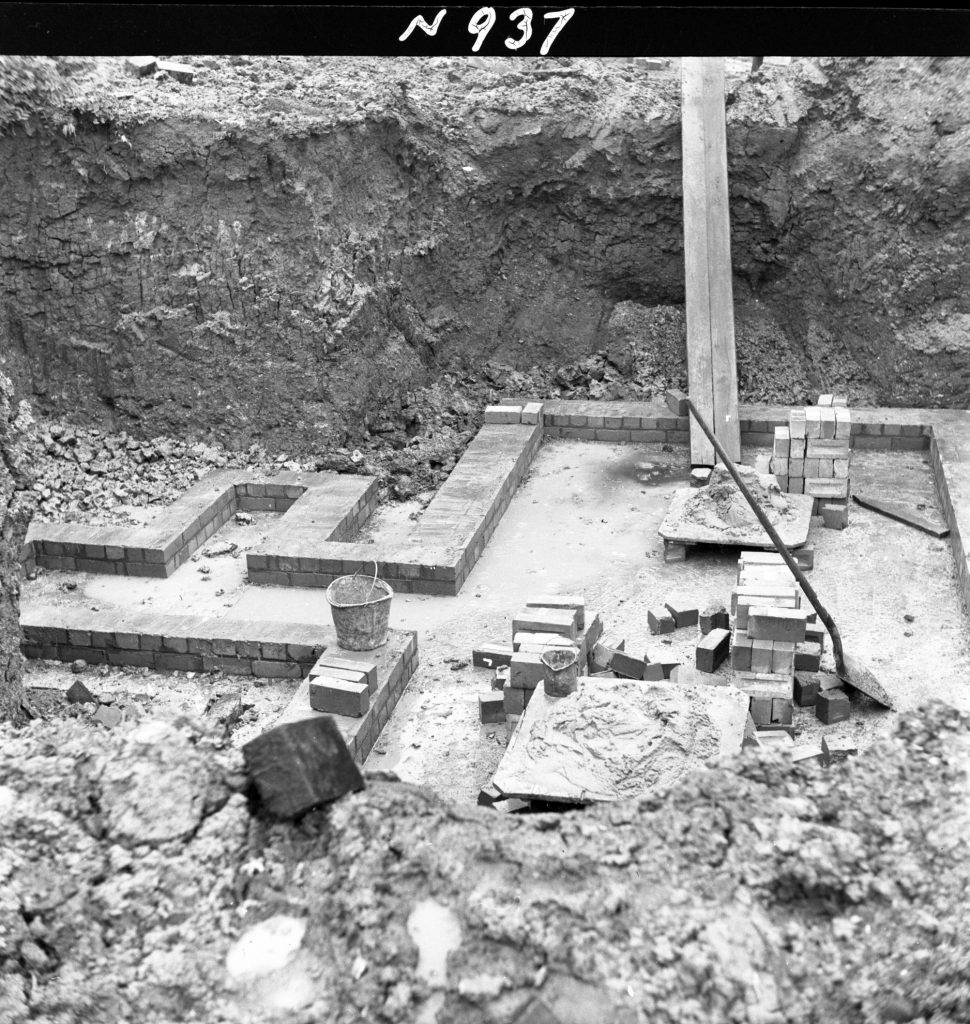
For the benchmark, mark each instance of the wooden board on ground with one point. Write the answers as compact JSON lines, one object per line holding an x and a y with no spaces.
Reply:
{"x":902,"y":513}
{"x":794,"y":532}
{"x":711,"y":361}
{"x":615,"y":739}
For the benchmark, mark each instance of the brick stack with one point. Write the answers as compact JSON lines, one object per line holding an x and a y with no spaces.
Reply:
{"x":546,"y":622}
{"x":771,"y":630}
{"x":811,"y":456}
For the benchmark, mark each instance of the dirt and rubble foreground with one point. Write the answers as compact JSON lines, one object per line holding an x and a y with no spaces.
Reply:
{"x":132,"y":870}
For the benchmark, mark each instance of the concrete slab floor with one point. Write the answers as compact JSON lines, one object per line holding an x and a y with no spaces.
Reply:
{"x":586,"y":520}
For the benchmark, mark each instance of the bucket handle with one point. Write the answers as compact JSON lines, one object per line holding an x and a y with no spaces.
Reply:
{"x":374,"y":584}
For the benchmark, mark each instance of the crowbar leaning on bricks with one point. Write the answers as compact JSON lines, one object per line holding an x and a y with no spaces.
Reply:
{"x":849,"y":670}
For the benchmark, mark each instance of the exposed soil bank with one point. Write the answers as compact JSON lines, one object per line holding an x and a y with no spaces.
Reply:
{"x":289,"y":248}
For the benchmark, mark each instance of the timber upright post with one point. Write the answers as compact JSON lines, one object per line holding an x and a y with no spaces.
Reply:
{"x":711,"y":364}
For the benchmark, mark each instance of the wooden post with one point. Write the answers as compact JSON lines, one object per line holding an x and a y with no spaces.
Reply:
{"x":711,"y":364}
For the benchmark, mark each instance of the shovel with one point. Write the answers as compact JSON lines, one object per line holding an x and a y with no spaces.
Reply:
{"x":849,"y":670}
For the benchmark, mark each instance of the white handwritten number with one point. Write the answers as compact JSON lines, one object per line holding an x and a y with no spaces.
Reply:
{"x":482,"y":21}
{"x":420,"y":23}
{"x":525,"y":28}
{"x":563,"y":17}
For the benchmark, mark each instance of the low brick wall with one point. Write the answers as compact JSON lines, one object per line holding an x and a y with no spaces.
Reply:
{"x":336,"y":506}
{"x":188,"y":643}
{"x":396,"y":663}
{"x":447,"y":540}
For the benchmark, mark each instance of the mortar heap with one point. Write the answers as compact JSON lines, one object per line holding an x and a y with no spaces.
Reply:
{"x":721,"y":505}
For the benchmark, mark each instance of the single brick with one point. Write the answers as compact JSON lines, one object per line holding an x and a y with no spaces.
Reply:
{"x":571,"y":602}
{"x":813,"y":422}
{"x":827,"y":422}
{"x":824,"y":400}
{"x":532,"y":412}
{"x":660,"y":621}
{"x":714,"y":616}
{"x":778,"y":467}
{"x":835,"y":517}
{"x":513,"y":700}
{"x":782,"y":445}
{"x":830,"y":449}
{"x":684,"y":613}
{"x":820,"y":487}
{"x":766,"y":623}
{"x":781,"y":711}
{"x":503,"y":413}
{"x":300,"y":765}
{"x":491,"y":708}
{"x":760,"y":710}
{"x":782,"y":657}
{"x":815,"y":633}
{"x":601,"y":657}
{"x":796,"y":423}
{"x":627,"y":666}
{"x":527,"y":670}
{"x":546,"y":620}
{"x":760,"y":655}
{"x":339,"y":696}
{"x":796,"y":468}
{"x":741,"y":652}
{"x":712,"y":650}
{"x":832,"y":706}
{"x":492,"y":655}
{"x":808,"y":656}
{"x":503,"y":673}
{"x":541,"y":640}
{"x":674,"y":552}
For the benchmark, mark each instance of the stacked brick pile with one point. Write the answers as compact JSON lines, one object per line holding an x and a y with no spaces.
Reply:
{"x":546,"y":622}
{"x":775,"y":635}
{"x":811,"y":456}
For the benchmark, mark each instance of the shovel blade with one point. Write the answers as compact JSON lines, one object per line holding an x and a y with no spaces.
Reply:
{"x":861,"y":678}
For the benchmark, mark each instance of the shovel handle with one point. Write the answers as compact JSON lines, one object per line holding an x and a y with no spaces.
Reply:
{"x":775,"y":539}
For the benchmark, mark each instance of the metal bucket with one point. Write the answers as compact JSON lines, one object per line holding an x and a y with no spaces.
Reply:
{"x":561,"y":670}
{"x":361,"y":607}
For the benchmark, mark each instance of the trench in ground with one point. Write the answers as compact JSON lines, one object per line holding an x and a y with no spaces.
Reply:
{"x":585,"y":520}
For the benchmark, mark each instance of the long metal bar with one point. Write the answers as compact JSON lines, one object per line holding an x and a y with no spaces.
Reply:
{"x":776,"y":540}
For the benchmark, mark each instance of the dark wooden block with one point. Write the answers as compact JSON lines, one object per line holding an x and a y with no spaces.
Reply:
{"x":300,"y":765}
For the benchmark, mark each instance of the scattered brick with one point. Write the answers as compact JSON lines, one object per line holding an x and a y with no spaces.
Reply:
{"x":779,"y":737}
{"x":832,"y":706}
{"x":700,"y":476}
{"x":839,"y":748}
{"x":714,"y":616}
{"x":627,"y":666}
{"x":660,"y":621}
{"x":684,"y":613}
{"x":661,"y":660}
{"x":677,"y":402}
{"x":141,"y":66}
{"x":489,"y":795}
{"x":491,"y":708}
{"x":300,"y":765}
{"x":712,"y":650}
{"x":339,"y":696}
{"x":78,"y":693}
{"x":808,"y":752}
{"x":183,"y":73}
